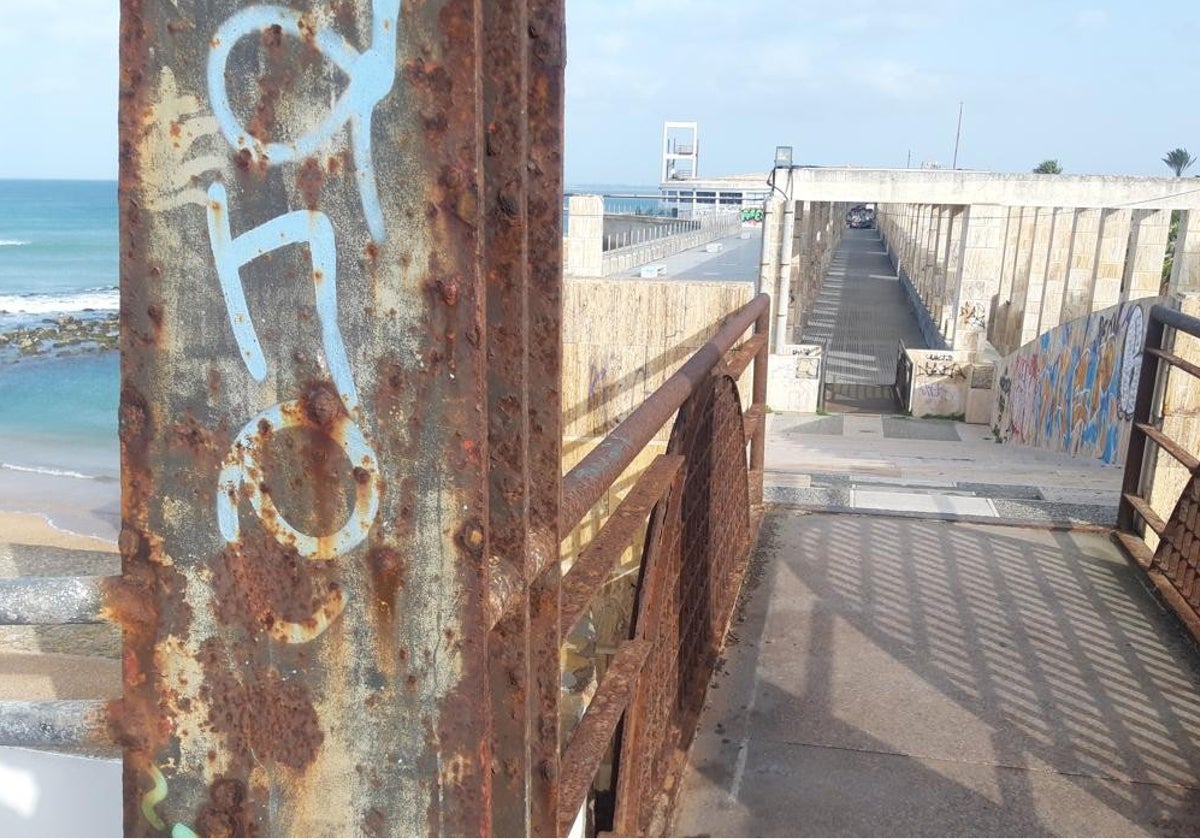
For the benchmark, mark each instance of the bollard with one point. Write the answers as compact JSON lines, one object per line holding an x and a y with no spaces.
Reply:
{"x":341,"y":237}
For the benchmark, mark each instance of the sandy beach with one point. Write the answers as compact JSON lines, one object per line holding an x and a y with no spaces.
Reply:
{"x":38,"y":529}
{"x":44,"y":663}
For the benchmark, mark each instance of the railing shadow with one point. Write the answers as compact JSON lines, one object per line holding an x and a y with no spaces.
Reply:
{"x":984,"y":681}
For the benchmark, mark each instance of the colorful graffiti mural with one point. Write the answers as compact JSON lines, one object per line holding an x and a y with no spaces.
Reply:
{"x":1072,"y":389}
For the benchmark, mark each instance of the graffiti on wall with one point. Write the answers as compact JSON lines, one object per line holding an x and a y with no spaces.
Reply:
{"x":940,"y":364}
{"x":752,"y":216}
{"x":1072,"y":389}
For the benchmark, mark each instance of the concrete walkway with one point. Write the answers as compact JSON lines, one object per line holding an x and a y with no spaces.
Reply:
{"x":738,"y":258}
{"x":919,"y":677}
{"x":860,"y":462}
{"x":861,"y":314}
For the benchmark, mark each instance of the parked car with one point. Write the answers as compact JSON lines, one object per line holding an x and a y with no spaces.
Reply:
{"x":860,"y":216}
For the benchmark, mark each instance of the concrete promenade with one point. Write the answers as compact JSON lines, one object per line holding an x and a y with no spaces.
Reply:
{"x":861,"y":314}
{"x":890,"y":463}
{"x":737,"y":259}
{"x":908,"y":677}
{"x":939,"y":638}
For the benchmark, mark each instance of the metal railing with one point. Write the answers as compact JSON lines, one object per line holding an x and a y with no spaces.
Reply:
{"x":54,"y":723}
{"x":703,"y":501}
{"x":904,"y":377}
{"x":651,"y":230}
{"x":1174,"y":566}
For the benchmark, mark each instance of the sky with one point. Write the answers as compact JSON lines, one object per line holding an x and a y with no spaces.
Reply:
{"x":1104,"y":87}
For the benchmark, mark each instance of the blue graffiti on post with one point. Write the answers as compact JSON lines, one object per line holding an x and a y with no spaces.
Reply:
{"x":371,"y":75}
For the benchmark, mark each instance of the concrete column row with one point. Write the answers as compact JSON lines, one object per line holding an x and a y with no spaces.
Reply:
{"x":1005,"y":275}
{"x":800,"y":239}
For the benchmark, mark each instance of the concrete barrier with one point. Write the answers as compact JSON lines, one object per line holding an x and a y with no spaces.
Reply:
{"x":717,"y":226}
{"x":588,"y":245}
{"x":795,"y":378}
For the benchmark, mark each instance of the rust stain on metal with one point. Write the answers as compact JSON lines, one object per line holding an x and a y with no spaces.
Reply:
{"x":387,"y":578}
{"x":259,"y":712}
{"x":310,"y":178}
{"x":343,"y":602}
{"x":263,"y":586}
{"x":593,"y":736}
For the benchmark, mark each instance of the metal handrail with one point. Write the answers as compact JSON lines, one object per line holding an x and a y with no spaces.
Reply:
{"x":53,"y":600}
{"x":590,"y":479}
{"x":56,"y":723}
{"x":1134,"y":506}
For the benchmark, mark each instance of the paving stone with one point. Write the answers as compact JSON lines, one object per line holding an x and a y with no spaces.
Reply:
{"x":906,"y":428}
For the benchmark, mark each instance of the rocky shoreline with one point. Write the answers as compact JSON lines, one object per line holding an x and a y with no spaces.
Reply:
{"x":62,"y":336}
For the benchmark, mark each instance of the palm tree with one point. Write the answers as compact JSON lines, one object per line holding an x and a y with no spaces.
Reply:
{"x":1048,"y":167}
{"x":1177,"y":160}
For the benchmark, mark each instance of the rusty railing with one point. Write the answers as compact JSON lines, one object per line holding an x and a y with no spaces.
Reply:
{"x":1173,"y":566}
{"x":703,"y":498}
{"x":904,"y":376}
{"x":55,"y":723}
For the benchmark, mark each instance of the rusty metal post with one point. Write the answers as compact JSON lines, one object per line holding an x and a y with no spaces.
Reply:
{"x":340,"y":317}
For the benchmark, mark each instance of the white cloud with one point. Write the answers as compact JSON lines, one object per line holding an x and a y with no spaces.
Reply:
{"x":1091,"y":19}
{"x":897,"y":79}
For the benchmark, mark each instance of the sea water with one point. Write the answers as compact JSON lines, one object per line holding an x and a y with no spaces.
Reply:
{"x":58,"y":415}
{"x":58,"y":249}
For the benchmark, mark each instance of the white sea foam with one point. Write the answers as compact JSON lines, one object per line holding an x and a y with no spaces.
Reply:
{"x":47,"y":471}
{"x":13,"y":242}
{"x":101,"y":299}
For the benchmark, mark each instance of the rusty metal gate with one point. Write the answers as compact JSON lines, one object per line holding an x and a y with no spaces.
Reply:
{"x":1174,"y":566}
{"x":704,"y":497}
{"x":340,"y":426}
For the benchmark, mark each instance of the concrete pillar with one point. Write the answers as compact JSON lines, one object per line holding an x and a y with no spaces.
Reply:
{"x":768,"y":275}
{"x":983,"y":239}
{"x":927,"y":252}
{"x":1023,"y":267}
{"x":1043,"y":233}
{"x":1081,"y":264}
{"x":935,"y":269}
{"x":1185,"y":269}
{"x":999,"y":313}
{"x":585,"y":235}
{"x":1147,"y":252}
{"x":1110,"y":258}
{"x":915,"y":215}
{"x":952,"y":276}
{"x":1058,"y":257}
{"x":801,"y":301}
{"x":916,"y":236}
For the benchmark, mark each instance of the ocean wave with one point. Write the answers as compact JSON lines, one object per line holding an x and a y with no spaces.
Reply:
{"x":50,"y":471}
{"x":33,"y":303}
{"x":13,"y":242}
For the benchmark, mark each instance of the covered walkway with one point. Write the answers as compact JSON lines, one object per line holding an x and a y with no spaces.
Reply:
{"x":861,"y":314}
{"x":920,"y":677}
